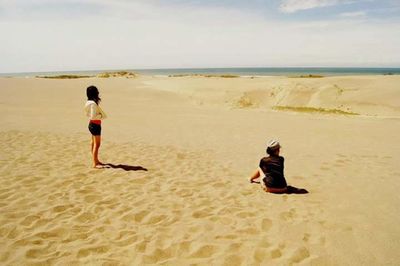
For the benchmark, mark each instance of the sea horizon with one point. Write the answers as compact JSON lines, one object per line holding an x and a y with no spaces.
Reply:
{"x":240,"y":71}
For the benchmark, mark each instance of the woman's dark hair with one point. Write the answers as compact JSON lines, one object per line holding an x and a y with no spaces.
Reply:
{"x":272,"y":151}
{"x":93,"y":94}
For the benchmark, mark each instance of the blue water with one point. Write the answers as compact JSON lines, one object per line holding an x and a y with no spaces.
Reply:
{"x":254,"y":71}
{"x":276,"y":71}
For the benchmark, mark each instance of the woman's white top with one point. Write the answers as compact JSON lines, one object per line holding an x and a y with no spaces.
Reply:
{"x":93,"y":111}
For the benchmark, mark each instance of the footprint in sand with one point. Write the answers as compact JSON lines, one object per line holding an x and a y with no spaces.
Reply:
{"x":140,"y":215}
{"x":86,"y":217}
{"x":202,"y":213}
{"x":184,"y":192}
{"x":96,"y":250}
{"x":266,"y":224}
{"x":299,"y":255}
{"x":225,"y":220}
{"x":288,"y":215}
{"x":142,"y":246}
{"x":41,"y":222}
{"x":325,"y":168}
{"x":276,"y":253}
{"x":340,"y":162}
{"x":367,"y":156}
{"x":263,"y":243}
{"x":246,"y":214}
{"x":232,"y":260}
{"x":129,"y":217}
{"x":184,"y":247}
{"x":57,"y":233}
{"x":259,"y":254}
{"x":5,"y":195}
{"x":230,"y":237}
{"x":234,"y":247}
{"x":156,"y":219}
{"x":248,"y":231}
{"x":62,"y":208}
{"x":35,"y":253}
{"x":158,"y":255}
{"x":92,"y":198}
{"x":139,"y":181}
{"x":247,"y":192}
{"x":205,"y":251}
{"x":30,"y":219}
{"x":306,"y":237}
{"x":25,"y":242}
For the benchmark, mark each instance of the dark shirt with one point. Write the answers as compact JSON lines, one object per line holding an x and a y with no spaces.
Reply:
{"x":272,"y":167}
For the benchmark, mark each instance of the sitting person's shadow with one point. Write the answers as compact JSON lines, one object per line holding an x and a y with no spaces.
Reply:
{"x":124,"y":167}
{"x":295,"y":190}
{"x":289,"y":189}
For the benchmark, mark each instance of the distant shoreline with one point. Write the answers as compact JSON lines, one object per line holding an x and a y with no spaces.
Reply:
{"x":253,"y":71}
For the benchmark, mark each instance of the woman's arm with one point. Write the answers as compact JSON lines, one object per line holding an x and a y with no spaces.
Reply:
{"x":92,"y":111}
{"x":95,"y":112}
{"x":101,"y":113}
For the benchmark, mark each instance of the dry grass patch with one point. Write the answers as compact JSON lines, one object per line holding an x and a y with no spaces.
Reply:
{"x":204,"y":76}
{"x":304,"y":109}
{"x":117,"y":74}
{"x":307,"y":76}
{"x":65,"y":77}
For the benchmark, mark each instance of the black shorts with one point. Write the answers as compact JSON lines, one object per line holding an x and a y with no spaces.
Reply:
{"x":95,"y":129}
{"x":274,"y":183}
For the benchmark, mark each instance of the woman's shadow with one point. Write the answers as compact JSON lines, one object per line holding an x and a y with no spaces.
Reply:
{"x":124,"y":167}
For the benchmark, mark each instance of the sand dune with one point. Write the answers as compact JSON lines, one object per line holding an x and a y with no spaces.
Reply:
{"x":365,"y":95}
{"x":181,"y":150}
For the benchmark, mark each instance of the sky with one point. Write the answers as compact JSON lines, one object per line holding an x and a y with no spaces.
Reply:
{"x":68,"y":35}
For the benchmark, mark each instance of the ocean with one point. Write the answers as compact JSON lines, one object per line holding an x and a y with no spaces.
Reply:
{"x":250,"y":71}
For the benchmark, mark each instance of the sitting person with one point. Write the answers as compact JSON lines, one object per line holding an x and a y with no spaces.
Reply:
{"x":271,"y":167}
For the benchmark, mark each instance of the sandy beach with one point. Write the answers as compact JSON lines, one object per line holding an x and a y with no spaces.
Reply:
{"x":182,"y":150}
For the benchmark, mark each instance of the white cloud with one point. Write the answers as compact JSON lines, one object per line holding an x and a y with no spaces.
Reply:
{"x":147,"y":35}
{"x":355,"y":14}
{"x":291,"y":6}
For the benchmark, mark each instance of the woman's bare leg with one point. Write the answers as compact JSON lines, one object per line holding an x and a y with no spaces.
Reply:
{"x":92,"y":145}
{"x":255,"y":175}
{"x":96,"y":146}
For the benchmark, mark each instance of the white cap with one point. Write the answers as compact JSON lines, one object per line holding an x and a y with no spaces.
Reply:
{"x":274,"y":144}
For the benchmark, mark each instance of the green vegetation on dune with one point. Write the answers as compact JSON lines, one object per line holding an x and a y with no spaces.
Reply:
{"x":117,"y":74}
{"x":204,"y":75}
{"x":64,"y":77}
{"x":304,"y":109}
{"x":308,"y":76}
{"x":245,"y":102}
{"x":223,"y":76}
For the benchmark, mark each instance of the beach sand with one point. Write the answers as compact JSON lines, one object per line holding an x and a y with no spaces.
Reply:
{"x":188,"y":146}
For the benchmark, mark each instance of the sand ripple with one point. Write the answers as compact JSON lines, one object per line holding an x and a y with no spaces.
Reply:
{"x":186,"y":209}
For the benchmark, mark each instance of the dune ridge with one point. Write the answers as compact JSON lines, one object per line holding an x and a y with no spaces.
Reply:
{"x":364,"y":95}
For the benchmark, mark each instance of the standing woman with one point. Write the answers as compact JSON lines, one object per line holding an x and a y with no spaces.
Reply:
{"x":95,"y":114}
